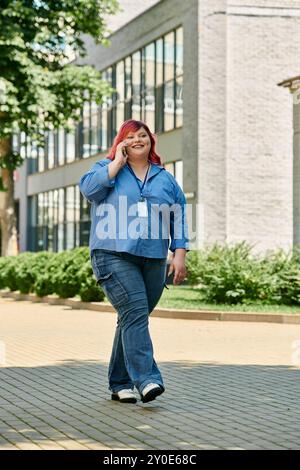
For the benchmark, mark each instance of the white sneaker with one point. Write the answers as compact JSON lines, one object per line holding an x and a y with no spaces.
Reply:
{"x":125,"y":396}
{"x":150,"y":392}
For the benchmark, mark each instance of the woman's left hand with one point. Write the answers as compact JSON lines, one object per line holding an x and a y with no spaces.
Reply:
{"x":177,"y":266}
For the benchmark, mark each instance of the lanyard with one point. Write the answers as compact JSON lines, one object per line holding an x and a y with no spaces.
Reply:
{"x":144,"y":182}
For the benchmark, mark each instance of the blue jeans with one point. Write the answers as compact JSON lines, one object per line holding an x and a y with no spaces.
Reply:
{"x":133,"y":285}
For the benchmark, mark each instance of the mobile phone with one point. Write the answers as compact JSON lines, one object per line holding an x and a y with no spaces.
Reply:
{"x":124,"y":152}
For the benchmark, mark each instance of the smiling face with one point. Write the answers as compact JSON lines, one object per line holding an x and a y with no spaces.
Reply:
{"x":139,"y":144}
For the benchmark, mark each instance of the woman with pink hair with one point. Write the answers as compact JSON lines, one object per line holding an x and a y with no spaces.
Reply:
{"x":136,"y":208}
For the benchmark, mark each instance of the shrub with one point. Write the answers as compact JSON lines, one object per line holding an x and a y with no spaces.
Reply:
{"x":8,"y":272}
{"x":66,"y":279}
{"x":45,"y":284}
{"x":29,"y":267}
{"x":228,"y":274}
{"x":89,"y":289}
{"x":224,"y":274}
{"x":283,"y":274}
{"x":3,"y":262}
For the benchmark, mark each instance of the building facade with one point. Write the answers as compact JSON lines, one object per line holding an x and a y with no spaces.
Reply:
{"x":203,"y":74}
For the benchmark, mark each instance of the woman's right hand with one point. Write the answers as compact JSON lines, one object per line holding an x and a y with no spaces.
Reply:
{"x":120,"y":159}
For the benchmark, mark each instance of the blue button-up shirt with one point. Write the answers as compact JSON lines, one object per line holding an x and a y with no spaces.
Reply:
{"x":115,"y":224}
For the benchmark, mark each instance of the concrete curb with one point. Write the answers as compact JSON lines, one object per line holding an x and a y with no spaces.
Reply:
{"x":288,"y":318}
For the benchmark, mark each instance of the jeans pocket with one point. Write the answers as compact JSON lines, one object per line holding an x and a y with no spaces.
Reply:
{"x":113,"y":289}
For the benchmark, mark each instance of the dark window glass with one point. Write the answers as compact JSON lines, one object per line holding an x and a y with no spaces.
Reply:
{"x":159,"y":108}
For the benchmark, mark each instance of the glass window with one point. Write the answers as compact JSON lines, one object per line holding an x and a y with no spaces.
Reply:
{"x":41,"y":209}
{"x":84,"y":221}
{"x":128,"y":77}
{"x":70,"y":213}
{"x":60,"y":216}
{"x":149,"y":95}
{"x":77,"y":204}
{"x":70,"y":204}
{"x":179,"y":51}
{"x":70,"y":145}
{"x":55,"y":207}
{"x":45,"y":209}
{"x":159,"y":108}
{"x":50,"y":149}
{"x":169,"y":56}
{"x":50,"y":221}
{"x":179,"y":102}
{"x":41,"y":157}
{"x":109,"y":78}
{"x":120,"y":114}
{"x":104,"y":130}
{"x":176,"y":169}
{"x":120,"y":86}
{"x":32,"y":155}
{"x":86,"y":130}
{"x":50,"y":209}
{"x":136,"y":85}
{"x":33,"y":211}
{"x":61,"y":146}
{"x":120,"y":81}
{"x":128,"y":89}
{"x":95,"y":140}
{"x":169,"y":107}
{"x":159,"y":62}
{"x":23,"y":145}
{"x":61,"y":206}
{"x":77,"y":215}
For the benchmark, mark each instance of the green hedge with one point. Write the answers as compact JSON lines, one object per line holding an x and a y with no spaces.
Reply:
{"x":232,"y":275}
{"x":66,"y":274}
{"x":222,"y":273}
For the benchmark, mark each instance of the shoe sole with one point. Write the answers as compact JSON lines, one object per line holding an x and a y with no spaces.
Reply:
{"x":116,"y":397}
{"x":152,"y":394}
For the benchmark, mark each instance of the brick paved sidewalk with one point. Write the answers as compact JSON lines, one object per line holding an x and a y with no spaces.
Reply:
{"x":228,"y":385}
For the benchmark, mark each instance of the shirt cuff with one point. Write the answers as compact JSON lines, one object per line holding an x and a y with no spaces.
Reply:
{"x":179,"y":244}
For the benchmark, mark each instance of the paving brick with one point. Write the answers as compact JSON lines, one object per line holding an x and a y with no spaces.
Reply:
{"x":58,"y":397}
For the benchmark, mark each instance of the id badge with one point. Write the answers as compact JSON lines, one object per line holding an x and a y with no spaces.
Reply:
{"x":142,"y":209}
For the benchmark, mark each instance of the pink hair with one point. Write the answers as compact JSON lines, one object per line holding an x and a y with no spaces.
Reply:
{"x":131,"y":125}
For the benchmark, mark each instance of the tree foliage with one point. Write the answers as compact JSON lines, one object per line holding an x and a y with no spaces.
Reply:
{"x":41,"y":85}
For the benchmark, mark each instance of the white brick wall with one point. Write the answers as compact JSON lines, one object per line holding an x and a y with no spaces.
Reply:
{"x":245,"y":121}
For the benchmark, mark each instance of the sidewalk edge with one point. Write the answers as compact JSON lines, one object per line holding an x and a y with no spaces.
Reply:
{"x":288,"y":318}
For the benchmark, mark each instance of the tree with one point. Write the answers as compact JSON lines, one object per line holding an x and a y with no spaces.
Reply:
{"x":41,"y":86}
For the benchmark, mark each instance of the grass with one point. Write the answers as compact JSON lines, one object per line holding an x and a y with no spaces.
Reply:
{"x":186,"y":297}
